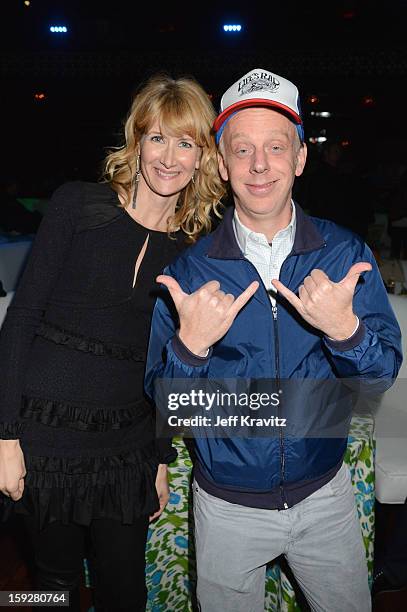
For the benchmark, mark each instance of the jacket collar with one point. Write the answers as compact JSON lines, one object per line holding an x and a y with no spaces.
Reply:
{"x":224,"y":244}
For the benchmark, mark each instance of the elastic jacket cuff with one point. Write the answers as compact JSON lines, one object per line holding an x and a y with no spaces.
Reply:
{"x":349,"y":343}
{"x":185,"y":355}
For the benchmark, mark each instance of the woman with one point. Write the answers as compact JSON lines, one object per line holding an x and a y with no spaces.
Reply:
{"x":78,"y":455}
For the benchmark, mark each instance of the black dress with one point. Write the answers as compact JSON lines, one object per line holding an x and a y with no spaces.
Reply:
{"x":72,"y":356}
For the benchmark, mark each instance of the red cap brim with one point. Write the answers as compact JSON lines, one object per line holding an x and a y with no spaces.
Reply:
{"x":220,"y":119}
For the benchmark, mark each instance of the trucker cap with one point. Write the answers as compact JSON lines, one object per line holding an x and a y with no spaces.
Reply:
{"x":260,"y":87}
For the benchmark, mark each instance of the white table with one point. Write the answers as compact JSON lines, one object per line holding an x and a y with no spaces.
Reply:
{"x":4,"y":304}
{"x":13,"y":256}
{"x":391,"y":425}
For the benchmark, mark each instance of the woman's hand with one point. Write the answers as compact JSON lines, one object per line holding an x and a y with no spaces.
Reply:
{"x":12,"y":469}
{"x":162,"y":488}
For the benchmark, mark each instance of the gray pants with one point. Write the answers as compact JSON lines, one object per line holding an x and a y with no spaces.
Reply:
{"x":320,"y":538}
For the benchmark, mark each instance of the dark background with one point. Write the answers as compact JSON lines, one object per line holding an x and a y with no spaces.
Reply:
{"x":349,"y":55}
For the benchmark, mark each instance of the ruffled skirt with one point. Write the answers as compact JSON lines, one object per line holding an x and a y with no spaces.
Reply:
{"x":92,"y":479}
{"x":119,"y":487}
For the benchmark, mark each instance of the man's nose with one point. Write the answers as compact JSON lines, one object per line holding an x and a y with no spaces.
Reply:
{"x":260,"y":162}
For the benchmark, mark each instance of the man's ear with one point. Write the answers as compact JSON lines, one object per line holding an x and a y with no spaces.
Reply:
{"x":222,"y":167}
{"x":301,"y":159}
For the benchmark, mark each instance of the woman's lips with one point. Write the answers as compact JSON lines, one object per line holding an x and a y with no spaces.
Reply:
{"x":166,"y":175}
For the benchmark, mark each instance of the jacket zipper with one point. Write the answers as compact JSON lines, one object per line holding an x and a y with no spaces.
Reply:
{"x":281,"y":436}
{"x":277,"y":366}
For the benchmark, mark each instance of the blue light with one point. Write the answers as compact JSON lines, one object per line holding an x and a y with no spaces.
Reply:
{"x":232,"y":28}
{"x":58,"y":29}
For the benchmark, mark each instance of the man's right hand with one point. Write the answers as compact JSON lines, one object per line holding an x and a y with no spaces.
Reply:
{"x":205,"y":315}
{"x":12,"y":469}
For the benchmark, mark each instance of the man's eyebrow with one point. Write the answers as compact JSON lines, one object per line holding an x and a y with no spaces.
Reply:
{"x":272,"y":134}
{"x":239,"y":135}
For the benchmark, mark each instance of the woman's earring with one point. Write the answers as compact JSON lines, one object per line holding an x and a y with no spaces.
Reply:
{"x":133,"y":204}
{"x":138,"y":168}
{"x":193,"y":178}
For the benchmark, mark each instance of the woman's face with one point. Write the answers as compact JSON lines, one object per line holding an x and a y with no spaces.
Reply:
{"x":167,"y":162}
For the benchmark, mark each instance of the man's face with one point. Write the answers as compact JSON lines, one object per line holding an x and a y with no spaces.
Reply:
{"x":260,"y":154}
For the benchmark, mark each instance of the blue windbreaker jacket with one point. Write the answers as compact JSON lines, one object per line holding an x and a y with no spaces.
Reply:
{"x":269,"y":343}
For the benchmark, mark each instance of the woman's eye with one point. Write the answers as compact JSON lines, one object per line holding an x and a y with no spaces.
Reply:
{"x":157,"y":138}
{"x":185,"y":145}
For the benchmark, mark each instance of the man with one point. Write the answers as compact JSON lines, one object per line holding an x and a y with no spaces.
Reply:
{"x":256,"y":498}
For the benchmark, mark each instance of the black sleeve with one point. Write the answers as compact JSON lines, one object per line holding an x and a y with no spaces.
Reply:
{"x":166,"y":453}
{"x":43,"y":268}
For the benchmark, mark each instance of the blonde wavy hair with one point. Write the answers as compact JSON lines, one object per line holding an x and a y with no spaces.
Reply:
{"x":182,"y":107}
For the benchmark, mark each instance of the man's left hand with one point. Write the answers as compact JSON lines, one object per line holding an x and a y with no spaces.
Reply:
{"x":326,"y":305}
